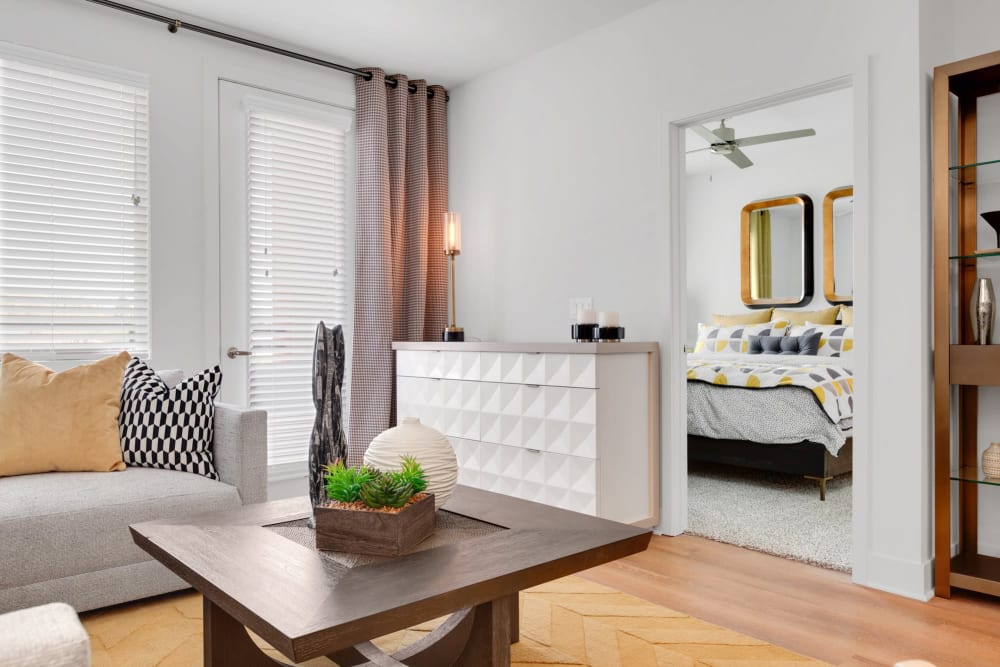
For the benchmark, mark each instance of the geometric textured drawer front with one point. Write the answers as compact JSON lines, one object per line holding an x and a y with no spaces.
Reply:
{"x":558,"y":370}
{"x":544,"y":477}
{"x":459,"y":416}
{"x":467,"y":453}
{"x":420,"y":397}
{"x":559,"y":419}
{"x":419,"y":363}
{"x":460,"y":365}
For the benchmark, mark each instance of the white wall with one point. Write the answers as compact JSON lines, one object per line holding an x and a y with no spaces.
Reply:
{"x":184,"y":69}
{"x":716,"y":191}
{"x":560,"y":166}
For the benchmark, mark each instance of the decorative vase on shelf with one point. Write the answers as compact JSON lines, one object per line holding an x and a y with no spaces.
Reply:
{"x":428,"y":446}
{"x":991,"y":460}
{"x":982,"y":308}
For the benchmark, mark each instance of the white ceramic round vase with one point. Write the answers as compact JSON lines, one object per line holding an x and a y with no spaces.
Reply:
{"x":991,"y":460}
{"x":428,"y":446}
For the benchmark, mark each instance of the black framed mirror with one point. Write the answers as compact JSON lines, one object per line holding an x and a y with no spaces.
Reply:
{"x":776,"y":248}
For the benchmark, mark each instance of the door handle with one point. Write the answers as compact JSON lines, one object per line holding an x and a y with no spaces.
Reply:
{"x":232,"y":353}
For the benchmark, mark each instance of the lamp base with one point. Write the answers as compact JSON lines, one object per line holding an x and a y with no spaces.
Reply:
{"x":453,"y":335}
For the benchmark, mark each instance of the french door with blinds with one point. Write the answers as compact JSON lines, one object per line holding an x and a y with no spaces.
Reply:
{"x":285,"y":166}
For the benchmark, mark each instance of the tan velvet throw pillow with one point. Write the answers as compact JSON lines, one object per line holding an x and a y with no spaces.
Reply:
{"x":847,"y":315}
{"x":824,"y":316}
{"x":753,"y":317}
{"x":65,"y":421}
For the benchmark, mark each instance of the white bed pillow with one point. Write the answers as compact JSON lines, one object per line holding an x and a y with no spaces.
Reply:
{"x":723,"y":340}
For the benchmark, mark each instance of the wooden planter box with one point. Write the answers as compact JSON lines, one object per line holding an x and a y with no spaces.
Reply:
{"x":374,"y":533}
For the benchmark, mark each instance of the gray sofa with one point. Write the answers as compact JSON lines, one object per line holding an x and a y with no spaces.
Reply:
{"x":64,"y":536}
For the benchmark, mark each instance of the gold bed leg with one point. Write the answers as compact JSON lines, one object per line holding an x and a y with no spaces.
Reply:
{"x":822,"y":485}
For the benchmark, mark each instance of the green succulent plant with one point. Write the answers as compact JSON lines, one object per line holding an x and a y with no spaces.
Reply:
{"x":344,"y":484}
{"x":385,"y":490}
{"x":412,"y":472}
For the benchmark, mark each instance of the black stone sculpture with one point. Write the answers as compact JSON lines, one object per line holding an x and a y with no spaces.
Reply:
{"x":328,"y":443}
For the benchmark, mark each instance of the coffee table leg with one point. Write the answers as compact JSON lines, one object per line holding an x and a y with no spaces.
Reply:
{"x":515,"y":618}
{"x":474,"y":637}
{"x":227,"y":642}
{"x":489,"y":641}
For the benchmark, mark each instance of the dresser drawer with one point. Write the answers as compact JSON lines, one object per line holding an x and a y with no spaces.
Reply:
{"x":556,"y":479}
{"x":460,"y":414}
{"x":419,"y":363}
{"x":467,"y":453}
{"x":558,"y":370}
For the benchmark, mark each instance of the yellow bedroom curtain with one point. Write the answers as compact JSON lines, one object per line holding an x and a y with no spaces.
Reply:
{"x":760,"y":254}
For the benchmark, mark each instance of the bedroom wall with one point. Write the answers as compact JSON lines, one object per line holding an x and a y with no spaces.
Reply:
{"x":717,"y":190}
{"x":559,"y":167}
{"x":183,"y":69}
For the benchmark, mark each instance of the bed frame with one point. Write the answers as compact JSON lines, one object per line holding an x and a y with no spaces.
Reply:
{"x":806,"y":458}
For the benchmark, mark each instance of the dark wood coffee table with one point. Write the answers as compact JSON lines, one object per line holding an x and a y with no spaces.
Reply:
{"x":305,"y":605}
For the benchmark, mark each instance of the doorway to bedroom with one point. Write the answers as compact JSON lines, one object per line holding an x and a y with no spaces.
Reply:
{"x":768,"y":243}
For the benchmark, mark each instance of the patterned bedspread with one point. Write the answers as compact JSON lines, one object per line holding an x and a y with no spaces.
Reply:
{"x":832,"y":386}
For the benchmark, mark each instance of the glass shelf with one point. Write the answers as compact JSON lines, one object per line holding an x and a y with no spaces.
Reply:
{"x":973,"y":475}
{"x":984,"y":172}
{"x":982,"y":254}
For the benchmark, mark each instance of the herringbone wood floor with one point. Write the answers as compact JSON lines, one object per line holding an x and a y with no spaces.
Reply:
{"x":569,"y":622}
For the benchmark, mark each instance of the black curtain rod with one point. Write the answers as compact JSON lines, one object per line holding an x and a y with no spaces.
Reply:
{"x":174,"y":24}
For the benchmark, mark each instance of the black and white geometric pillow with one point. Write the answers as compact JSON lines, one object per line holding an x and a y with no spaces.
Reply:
{"x":168,"y":428}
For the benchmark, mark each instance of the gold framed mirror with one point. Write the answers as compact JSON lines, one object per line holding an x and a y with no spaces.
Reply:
{"x":838,"y":241}
{"x":776,"y":252}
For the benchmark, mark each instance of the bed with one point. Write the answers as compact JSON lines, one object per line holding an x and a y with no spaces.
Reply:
{"x":790,"y":414}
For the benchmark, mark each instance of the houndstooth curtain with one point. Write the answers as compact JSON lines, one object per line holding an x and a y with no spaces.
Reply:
{"x":401,"y":278}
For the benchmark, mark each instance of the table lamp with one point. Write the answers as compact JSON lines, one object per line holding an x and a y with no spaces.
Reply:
{"x":453,"y":247}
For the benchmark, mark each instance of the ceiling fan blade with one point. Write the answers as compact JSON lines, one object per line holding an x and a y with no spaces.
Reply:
{"x":699,"y":150}
{"x":738,"y":158}
{"x":705,"y":134}
{"x":777,"y":136}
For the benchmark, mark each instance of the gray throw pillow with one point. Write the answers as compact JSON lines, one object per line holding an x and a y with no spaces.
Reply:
{"x":787,"y":345}
{"x":764,"y":344}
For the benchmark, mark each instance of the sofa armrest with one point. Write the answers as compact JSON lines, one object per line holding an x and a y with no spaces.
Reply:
{"x":48,"y":635}
{"x":240,"y":450}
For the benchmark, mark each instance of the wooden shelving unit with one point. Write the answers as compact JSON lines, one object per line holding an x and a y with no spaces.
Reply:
{"x":960,"y":366}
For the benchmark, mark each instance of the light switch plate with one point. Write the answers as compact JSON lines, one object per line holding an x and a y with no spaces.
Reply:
{"x":578,"y":302}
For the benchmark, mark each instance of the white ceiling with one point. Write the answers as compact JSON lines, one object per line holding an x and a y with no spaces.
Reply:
{"x":443,"y":41}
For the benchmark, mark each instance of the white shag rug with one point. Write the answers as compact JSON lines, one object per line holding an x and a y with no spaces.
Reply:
{"x":771,"y":512}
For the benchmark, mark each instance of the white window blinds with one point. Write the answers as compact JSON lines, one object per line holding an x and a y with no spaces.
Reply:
{"x":298,"y":249}
{"x":74,"y":213}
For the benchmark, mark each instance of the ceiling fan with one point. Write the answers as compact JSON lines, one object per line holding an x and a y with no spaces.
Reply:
{"x":722,"y":141}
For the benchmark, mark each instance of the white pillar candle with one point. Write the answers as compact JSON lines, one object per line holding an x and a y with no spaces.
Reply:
{"x":586,"y":316}
{"x":607,"y":318}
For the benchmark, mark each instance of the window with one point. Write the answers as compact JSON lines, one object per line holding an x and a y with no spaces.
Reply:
{"x":298,"y":251}
{"x":74,"y":211}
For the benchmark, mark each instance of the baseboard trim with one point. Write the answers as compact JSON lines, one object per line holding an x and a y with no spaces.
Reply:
{"x":906,"y":578}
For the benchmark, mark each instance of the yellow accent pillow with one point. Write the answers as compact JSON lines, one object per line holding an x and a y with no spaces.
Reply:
{"x":846,"y":315}
{"x":64,"y":421}
{"x":753,"y":317}
{"x":824,"y":316}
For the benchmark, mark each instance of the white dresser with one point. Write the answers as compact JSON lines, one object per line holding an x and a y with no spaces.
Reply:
{"x":574,"y":425}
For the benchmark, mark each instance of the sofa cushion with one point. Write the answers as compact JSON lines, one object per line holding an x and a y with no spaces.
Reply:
{"x":168,"y":428}
{"x":62,"y":524}
{"x":64,"y":421}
